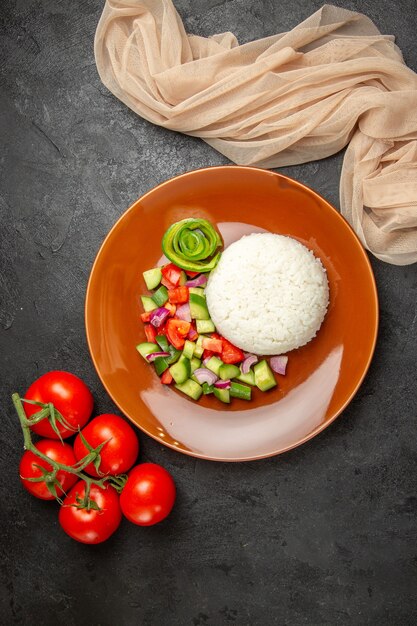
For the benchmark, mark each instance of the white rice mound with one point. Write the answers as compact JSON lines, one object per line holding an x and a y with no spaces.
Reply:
{"x":268,"y":294}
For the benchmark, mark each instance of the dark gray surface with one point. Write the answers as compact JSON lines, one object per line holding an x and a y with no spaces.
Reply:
{"x":325,"y":534}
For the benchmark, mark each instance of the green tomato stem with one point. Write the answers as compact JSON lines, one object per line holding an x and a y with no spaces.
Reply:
{"x":76,"y":469}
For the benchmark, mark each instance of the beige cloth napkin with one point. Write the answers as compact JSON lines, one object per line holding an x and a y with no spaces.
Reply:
{"x":286,"y":99}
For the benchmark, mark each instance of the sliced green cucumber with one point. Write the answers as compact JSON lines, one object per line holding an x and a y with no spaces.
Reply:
{"x":181,"y":371}
{"x":195,"y":364}
{"x":198,"y":350}
{"x":197,"y":291}
{"x":175,"y":354}
{"x":160,"y":296}
{"x":152,"y":278}
{"x":264,"y":377}
{"x":205,"y":326}
{"x":161,"y":364}
{"x":222,"y":394}
{"x":207,"y":389}
{"x":240,"y":391}
{"x":188,"y":349}
{"x":147,"y":348}
{"x":228,"y":371}
{"x":214,"y":364}
{"x":148,"y":304}
{"x":198,"y":307}
{"x":248,"y":378}
{"x":190,"y":388}
{"x":162,"y":342}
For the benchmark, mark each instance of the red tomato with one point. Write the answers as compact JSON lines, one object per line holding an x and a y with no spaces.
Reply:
{"x":150,"y":333}
{"x":166,"y":378}
{"x":55,"y":450}
{"x":172,"y":273}
{"x":171,"y":308}
{"x":167,"y":283}
{"x":91,"y":526}
{"x":145,"y":317}
{"x":119,"y":454}
{"x":149,"y":494}
{"x":69,"y":395}
{"x":230,"y":353}
{"x":214,"y":345}
{"x":177,"y":331}
{"x":178,"y":295}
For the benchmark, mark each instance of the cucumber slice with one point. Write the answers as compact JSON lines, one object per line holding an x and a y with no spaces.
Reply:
{"x":264,"y":377}
{"x":195,"y":364}
{"x":248,"y":378}
{"x":198,"y":307}
{"x":240,"y":391}
{"x":207,"y":389}
{"x":152,"y":278}
{"x":198,"y":350}
{"x":188,"y":349}
{"x":205,"y":326}
{"x":160,"y":296}
{"x":162,"y":342}
{"x":214,"y":365}
{"x":228,"y":371}
{"x":197,"y":291}
{"x":191,"y":389}
{"x":175,"y":354}
{"x":148,"y":304}
{"x":161,"y":364}
{"x":147,"y":348}
{"x":222,"y":394}
{"x":181,"y":371}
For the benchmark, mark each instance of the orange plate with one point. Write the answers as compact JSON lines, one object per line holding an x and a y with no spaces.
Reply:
{"x":322,"y":377}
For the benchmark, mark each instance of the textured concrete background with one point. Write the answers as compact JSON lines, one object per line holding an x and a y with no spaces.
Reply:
{"x":325,"y":534}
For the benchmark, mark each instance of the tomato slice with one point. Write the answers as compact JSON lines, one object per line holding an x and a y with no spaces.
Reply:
{"x":166,"y":378}
{"x":150,"y":333}
{"x":177,"y":331}
{"x":207,"y":354}
{"x":179,"y":295}
{"x":145,"y":317}
{"x":172,"y":273}
{"x":215,"y":345}
{"x":230,"y":353}
{"x":171,"y":308}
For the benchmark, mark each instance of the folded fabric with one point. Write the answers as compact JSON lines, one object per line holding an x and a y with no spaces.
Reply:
{"x":286,"y":99}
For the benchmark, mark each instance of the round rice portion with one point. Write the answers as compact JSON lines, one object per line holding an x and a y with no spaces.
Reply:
{"x":268,"y":294}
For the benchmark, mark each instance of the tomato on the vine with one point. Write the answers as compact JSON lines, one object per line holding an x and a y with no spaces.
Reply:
{"x":91,"y":525}
{"x":28,"y":468}
{"x":117,"y":455}
{"x":149,"y":494}
{"x":69,"y":395}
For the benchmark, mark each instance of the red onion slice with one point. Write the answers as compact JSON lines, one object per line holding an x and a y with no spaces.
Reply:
{"x":198,"y":281}
{"x":203,"y":375}
{"x":192,"y":334}
{"x":250,"y":360}
{"x":158,"y":316}
{"x":155,"y":355}
{"x":183,"y":312}
{"x":279,"y":364}
{"x":222,"y":384}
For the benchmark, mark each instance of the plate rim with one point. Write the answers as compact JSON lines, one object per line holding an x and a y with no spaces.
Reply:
{"x":319,"y":428}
